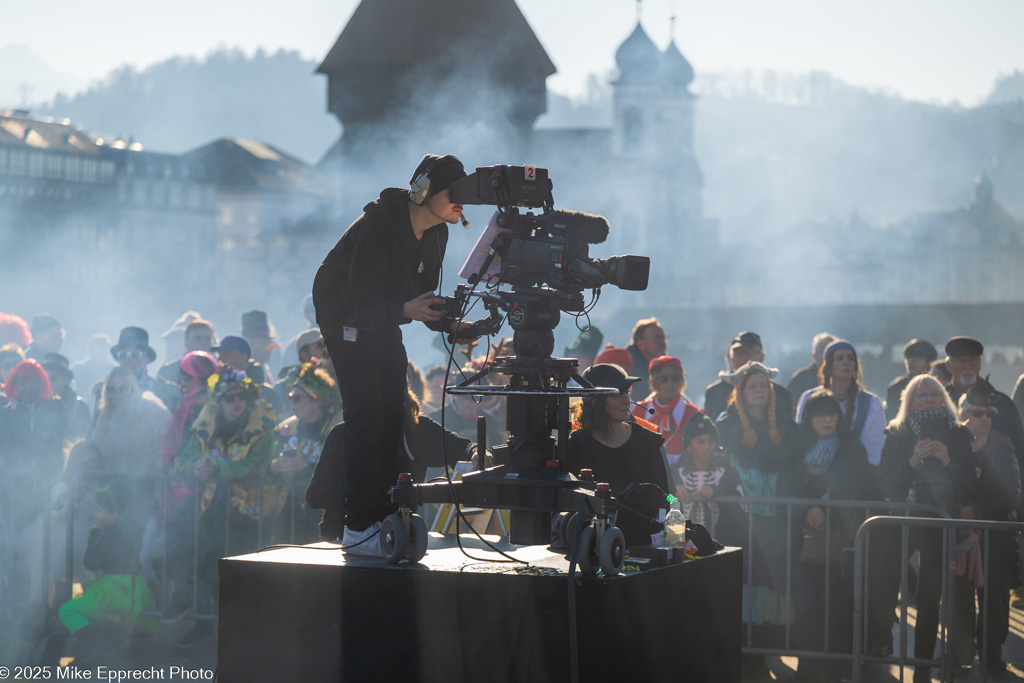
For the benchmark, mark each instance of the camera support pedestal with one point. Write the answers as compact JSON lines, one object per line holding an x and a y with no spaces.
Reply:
{"x":530,"y":481}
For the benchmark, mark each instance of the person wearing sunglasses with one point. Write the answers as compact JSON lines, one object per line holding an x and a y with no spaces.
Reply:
{"x":133,"y":352}
{"x":667,"y":406}
{"x":231,"y":440}
{"x":316,"y":405}
{"x":964,"y":357}
{"x":999,"y":489}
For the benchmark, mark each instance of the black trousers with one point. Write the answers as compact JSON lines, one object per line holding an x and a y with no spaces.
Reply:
{"x":372,"y":380}
{"x":996,"y":611}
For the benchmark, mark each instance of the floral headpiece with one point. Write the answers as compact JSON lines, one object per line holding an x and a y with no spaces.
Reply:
{"x":228,"y":379}
{"x":315,"y":381}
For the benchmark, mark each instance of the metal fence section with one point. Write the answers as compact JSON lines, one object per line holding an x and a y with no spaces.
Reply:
{"x":948,"y":528}
{"x":787,"y":507}
{"x":44,"y":529}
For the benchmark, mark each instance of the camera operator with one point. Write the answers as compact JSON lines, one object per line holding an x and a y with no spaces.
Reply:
{"x":379,"y":276}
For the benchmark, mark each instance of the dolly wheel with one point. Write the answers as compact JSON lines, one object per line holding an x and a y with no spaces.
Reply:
{"x":588,"y":559}
{"x":417,"y":546}
{"x":394,"y":539}
{"x":612,"y":552}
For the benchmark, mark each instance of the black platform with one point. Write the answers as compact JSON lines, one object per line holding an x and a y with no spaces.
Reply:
{"x":308,"y":615}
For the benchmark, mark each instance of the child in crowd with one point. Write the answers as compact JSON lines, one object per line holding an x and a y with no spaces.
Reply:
{"x":703,"y":470}
{"x":119,"y":594}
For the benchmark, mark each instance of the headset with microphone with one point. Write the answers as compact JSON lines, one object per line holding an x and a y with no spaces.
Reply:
{"x":419,"y":187}
{"x":650,"y":411}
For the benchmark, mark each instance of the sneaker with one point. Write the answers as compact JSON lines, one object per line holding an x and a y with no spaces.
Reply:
{"x":201,"y":632}
{"x":365,"y":542}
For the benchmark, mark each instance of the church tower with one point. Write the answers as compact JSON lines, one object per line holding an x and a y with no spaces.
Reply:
{"x":661,"y":181}
{"x":411,"y":76}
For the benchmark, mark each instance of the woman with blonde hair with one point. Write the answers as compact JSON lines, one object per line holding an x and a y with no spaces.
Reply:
{"x":927,"y":459}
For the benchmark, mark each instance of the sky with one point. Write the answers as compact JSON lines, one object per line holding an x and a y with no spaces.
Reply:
{"x":928,"y":50}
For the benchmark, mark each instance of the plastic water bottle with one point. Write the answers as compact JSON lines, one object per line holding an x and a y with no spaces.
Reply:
{"x":675,"y":526}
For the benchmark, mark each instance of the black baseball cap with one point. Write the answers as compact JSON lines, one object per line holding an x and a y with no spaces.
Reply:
{"x":609,"y":375}
{"x":749,"y":339}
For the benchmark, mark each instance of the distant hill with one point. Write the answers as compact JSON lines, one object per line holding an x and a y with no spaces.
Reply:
{"x":182,"y":103}
{"x":776,"y":149}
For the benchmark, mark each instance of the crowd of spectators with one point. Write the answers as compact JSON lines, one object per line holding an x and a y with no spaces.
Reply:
{"x":212,"y":454}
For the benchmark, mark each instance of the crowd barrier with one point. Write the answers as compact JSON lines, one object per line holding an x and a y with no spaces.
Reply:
{"x":947,"y":634}
{"x":44,"y":529}
{"x":43,"y":532}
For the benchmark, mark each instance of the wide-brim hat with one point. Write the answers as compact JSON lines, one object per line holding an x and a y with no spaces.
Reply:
{"x":736,"y":376}
{"x":133,"y":338}
{"x":255,"y":322}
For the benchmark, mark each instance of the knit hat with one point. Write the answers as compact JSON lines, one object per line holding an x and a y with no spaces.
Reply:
{"x":697,"y":425}
{"x":445,"y":171}
{"x":836,"y":345}
{"x":612,"y":354}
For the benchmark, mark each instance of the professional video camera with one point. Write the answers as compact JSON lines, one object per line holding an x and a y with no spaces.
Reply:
{"x":551,"y":248}
{"x":544,"y":260}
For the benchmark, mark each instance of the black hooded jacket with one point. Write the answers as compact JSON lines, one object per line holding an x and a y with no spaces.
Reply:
{"x":377,"y":266}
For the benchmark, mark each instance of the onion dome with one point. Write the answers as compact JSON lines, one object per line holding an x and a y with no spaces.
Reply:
{"x":638,"y":57}
{"x":677,"y":69}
